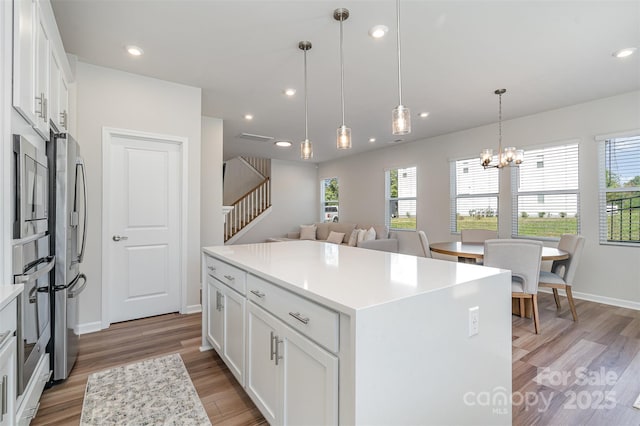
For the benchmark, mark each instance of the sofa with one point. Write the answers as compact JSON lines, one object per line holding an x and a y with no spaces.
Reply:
{"x":384,"y":240}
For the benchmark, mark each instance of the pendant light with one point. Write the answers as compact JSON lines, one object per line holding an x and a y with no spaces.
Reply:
{"x":510,"y":156}
{"x":306,"y":148}
{"x":343,"y":140}
{"x":401,"y":116}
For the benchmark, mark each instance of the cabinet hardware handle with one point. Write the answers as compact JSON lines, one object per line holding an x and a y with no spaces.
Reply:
{"x":46,"y":108}
{"x":230,"y":277}
{"x":63,"y":119}
{"x":5,"y":392}
{"x":271,"y":349}
{"x":277,"y":354}
{"x":40,"y":100}
{"x":299,"y":317}
{"x":258,"y":293}
{"x":217,"y":300}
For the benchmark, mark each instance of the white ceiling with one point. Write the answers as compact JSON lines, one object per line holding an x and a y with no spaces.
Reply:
{"x":243,"y":54}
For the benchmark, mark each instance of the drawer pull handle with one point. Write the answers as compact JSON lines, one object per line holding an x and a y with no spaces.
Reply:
{"x":299,"y":317}
{"x":258,"y":293}
{"x":212,"y":269}
{"x":230,"y":277}
{"x":271,"y":351}
{"x":5,"y":392}
{"x":277,"y":354}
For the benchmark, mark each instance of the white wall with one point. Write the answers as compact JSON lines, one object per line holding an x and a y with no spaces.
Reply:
{"x":605,"y":271}
{"x":295,"y":197}
{"x":211,"y":231}
{"x":239,"y":178}
{"x":111,"y":98}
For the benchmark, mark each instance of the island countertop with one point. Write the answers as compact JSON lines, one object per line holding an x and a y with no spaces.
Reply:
{"x":346,"y":278}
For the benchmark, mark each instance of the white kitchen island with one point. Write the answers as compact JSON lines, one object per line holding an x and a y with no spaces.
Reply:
{"x":319,"y":333}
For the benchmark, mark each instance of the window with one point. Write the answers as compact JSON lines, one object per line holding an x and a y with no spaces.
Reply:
{"x":401,"y":198}
{"x":329,"y":200}
{"x":474,"y":196}
{"x":620,"y":190}
{"x":545,"y":192}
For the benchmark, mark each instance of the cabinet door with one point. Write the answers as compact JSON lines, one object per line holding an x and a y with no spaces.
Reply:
{"x":41,"y":88}
{"x":234,"y":337}
{"x":310,"y":382}
{"x":24,"y":95}
{"x":63,"y":104}
{"x":215,"y":314}
{"x":7,"y":382}
{"x":55,"y":74}
{"x":262,"y":372}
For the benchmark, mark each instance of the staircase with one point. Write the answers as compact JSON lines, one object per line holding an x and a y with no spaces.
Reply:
{"x":253,"y":204}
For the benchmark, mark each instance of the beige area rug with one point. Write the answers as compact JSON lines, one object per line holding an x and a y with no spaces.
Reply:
{"x":153,"y":392}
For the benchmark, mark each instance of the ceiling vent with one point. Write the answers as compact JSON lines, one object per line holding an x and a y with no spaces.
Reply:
{"x":256,"y":138}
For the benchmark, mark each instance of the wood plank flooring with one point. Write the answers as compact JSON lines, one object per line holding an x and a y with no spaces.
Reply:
{"x":599,"y":357}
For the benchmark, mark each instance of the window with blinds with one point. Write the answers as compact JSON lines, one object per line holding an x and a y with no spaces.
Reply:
{"x":329,"y":200}
{"x":546,"y":193}
{"x":474,"y":196}
{"x":401,"y":190}
{"x":619,"y":160}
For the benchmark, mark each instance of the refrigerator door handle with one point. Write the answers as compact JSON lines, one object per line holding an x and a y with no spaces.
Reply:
{"x":73,"y":293}
{"x":80,"y":164}
{"x":33,"y":276}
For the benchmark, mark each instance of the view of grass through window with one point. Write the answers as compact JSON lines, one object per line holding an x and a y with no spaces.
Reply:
{"x":329,"y":205}
{"x":401,"y":198}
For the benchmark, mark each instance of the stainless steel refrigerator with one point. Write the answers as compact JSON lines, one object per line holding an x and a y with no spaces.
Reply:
{"x":70,"y":236}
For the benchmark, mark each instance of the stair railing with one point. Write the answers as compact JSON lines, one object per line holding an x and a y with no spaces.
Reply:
{"x":247,"y":208}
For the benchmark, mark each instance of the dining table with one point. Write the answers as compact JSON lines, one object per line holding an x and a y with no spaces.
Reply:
{"x":470,"y":252}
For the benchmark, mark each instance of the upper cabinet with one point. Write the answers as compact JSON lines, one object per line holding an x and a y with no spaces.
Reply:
{"x":40,"y":68}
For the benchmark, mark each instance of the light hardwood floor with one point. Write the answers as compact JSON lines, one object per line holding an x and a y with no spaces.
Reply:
{"x":605,"y":341}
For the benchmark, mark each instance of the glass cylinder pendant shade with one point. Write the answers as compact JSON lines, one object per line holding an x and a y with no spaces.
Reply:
{"x":519,"y":158}
{"x":401,"y":120}
{"x":485,"y":156}
{"x":510,"y":153}
{"x":306,"y":150}
{"x":344,"y":137}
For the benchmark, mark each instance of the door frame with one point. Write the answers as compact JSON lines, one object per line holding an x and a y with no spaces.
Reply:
{"x":108,"y":133}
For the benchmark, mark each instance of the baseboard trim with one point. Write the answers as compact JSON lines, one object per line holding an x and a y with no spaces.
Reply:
{"x":193,"y":309}
{"x":205,"y":348}
{"x":621,"y":303}
{"x":89,"y":327}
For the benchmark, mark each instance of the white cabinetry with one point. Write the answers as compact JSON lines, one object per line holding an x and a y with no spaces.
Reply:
{"x":59,"y":93}
{"x":8,"y":320}
{"x":291,"y":379}
{"x":225,"y":310}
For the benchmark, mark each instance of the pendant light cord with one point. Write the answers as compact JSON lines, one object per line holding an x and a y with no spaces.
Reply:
{"x":499,"y":124}
{"x":341,"y":72}
{"x":306,"y":104}
{"x":399,"y":60}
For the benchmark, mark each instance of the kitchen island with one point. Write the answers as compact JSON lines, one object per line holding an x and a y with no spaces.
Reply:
{"x":319,"y":333}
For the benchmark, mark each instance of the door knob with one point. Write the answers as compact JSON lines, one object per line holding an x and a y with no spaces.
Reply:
{"x":119,"y":237}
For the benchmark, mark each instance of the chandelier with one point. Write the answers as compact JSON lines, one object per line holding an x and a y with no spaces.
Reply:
{"x":510,"y":155}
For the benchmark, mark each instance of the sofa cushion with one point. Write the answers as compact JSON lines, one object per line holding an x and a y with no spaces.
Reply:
{"x":382,"y":232}
{"x":308,"y":232}
{"x":370,"y":234}
{"x":322,"y":232}
{"x":335,"y":237}
{"x":353,"y":239}
{"x":361,"y":234}
{"x":345,"y":228}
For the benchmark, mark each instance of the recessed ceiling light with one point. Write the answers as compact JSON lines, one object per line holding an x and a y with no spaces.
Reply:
{"x":378,"y":31}
{"x":289,"y":92}
{"x":248,"y":117}
{"x":372,"y":140}
{"x":134,"y":50}
{"x":423,"y":114}
{"x":623,"y":53}
{"x":283,"y":144}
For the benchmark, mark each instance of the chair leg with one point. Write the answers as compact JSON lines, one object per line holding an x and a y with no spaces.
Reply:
{"x":536,"y":319}
{"x":556,"y":297}
{"x":572,"y":305}
{"x":521,"y":307}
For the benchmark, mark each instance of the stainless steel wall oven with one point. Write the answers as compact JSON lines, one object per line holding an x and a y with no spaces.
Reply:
{"x":31,"y":189}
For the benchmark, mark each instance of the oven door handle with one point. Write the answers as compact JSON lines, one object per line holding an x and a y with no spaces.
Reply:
{"x":73,"y":293}
{"x":33,"y":276}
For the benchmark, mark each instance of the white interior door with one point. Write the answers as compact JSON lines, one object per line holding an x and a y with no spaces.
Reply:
{"x":144,"y":227}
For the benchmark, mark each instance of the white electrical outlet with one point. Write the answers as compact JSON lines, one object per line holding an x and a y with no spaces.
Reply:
{"x":637,"y":403}
{"x":474,"y":320}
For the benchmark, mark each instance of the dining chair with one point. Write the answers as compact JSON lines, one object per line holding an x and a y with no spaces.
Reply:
{"x":563,"y":271}
{"x":522,"y":257}
{"x":424,"y":243}
{"x":477,"y":236}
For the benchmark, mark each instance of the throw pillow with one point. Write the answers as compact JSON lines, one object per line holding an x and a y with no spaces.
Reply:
{"x":361,"y":234}
{"x":370,"y":234}
{"x":307,"y":232}
{"x":335,"y":237}
{"x":353,"y":239}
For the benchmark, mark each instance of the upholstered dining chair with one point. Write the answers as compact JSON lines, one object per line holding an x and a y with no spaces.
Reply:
{"x":563,"y":271}
{"x":477,"y":236}
{"x":522,"y":257}
{"x":424,"y":243}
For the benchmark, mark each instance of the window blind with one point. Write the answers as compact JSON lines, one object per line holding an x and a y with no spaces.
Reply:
{"x":474,"y":195}
{"x":546,"y":193}
{"x":619,"y":171}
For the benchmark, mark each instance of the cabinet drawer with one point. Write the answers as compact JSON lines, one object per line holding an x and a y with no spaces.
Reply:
{"x":9,"y":317}
{"x":315,"y":321}
{"x":230,"y":275}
